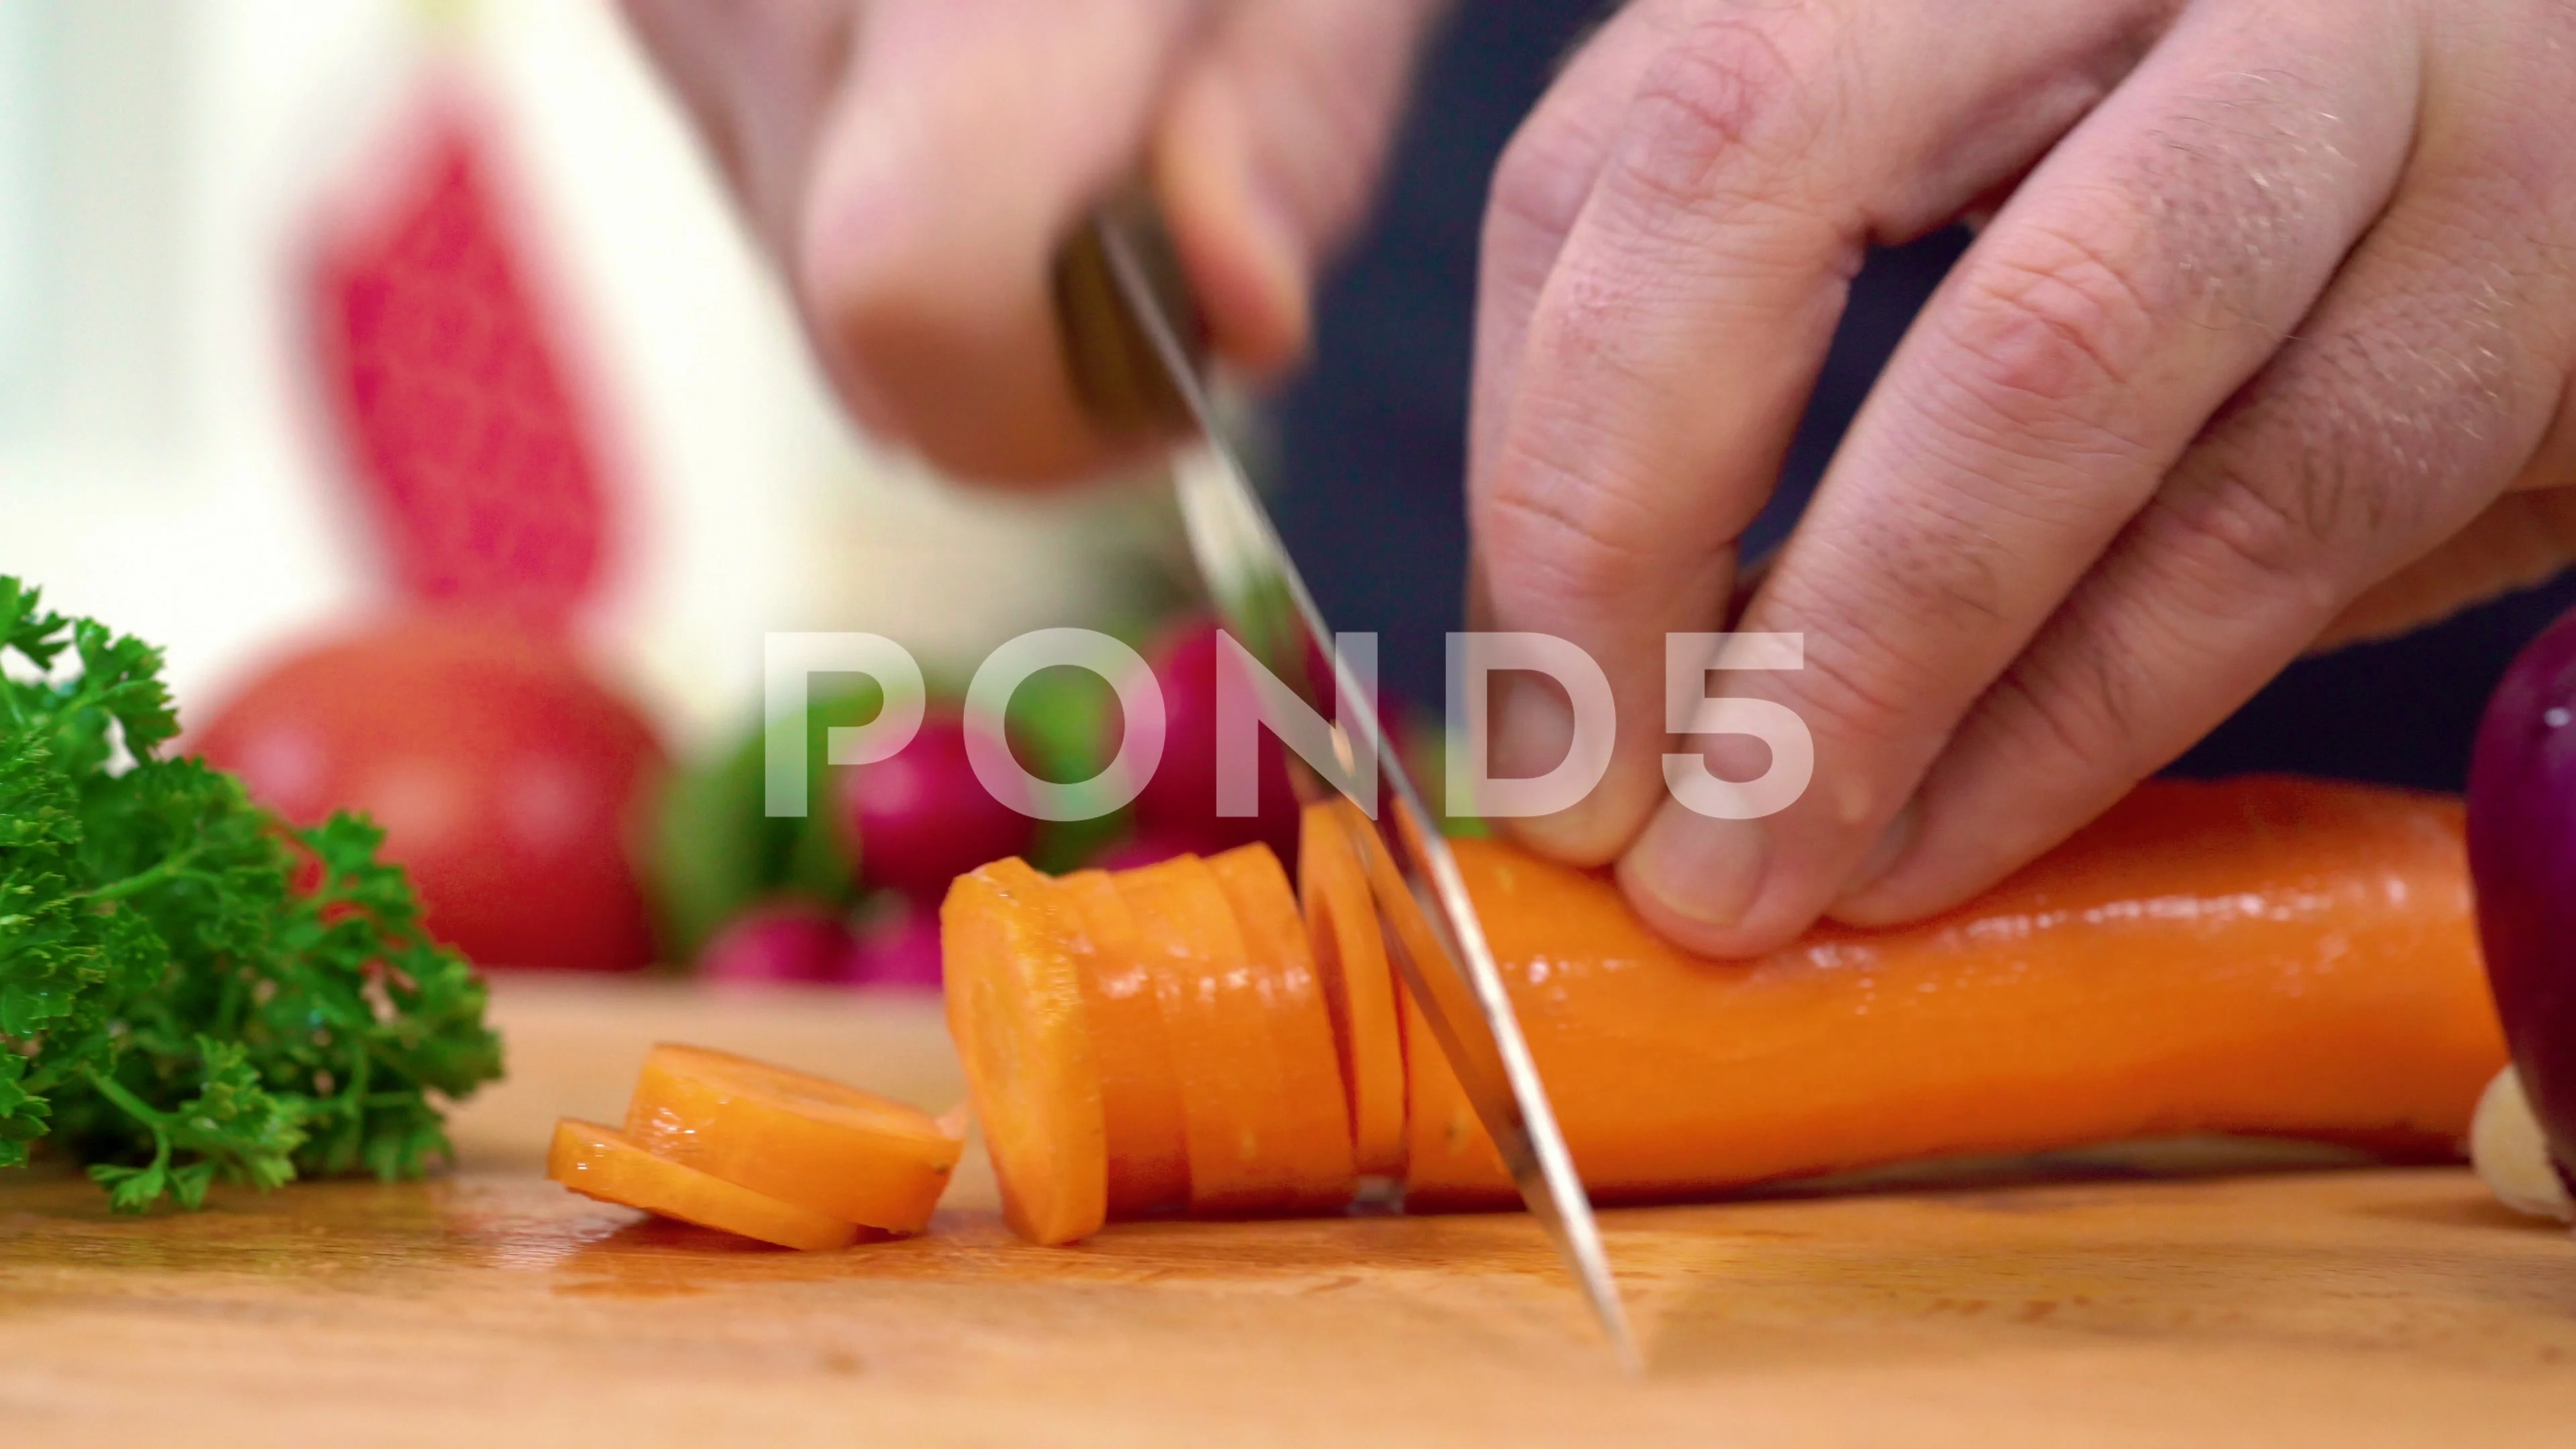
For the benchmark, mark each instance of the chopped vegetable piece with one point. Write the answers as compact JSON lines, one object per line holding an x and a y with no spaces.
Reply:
{"x":801,"y":1139}
{"x":1217,"y":1018}
{"x":600,"y":1163}
{"x":1359,"y":984}
{"x":1314,"y":1153}
{"x":2512,"y":1153}
{"x":2522,"y":851}
{"x":1140,"y":1098}
{"x":2284,"y":957}
{"x":1015,"y":1007}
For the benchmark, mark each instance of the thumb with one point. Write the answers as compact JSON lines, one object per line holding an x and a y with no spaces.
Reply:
{"x":1269,"y":151}
{"x":970,"y":138}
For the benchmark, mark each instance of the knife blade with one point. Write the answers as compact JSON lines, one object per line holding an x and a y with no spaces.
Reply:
{"x":1134,"y":342}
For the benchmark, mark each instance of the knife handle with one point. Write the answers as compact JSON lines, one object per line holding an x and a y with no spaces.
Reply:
{"x":1122,"y":383}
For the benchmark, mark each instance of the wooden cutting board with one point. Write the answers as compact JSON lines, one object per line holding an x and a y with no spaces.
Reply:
{"x":2196,"y":1293}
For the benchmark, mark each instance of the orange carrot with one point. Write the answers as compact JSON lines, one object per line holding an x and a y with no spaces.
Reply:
{"x":2268,"y":956}
{"x":1359,"y":986}
{"x":1140,"y":1100}
{"x":1233,"y":1092}
{"x":1314,"y":1155}
{"x":600,"y":1163}
{"x":1015,"y":1005}
{"x":801,"y":1139}
{"x":2278,"y":957}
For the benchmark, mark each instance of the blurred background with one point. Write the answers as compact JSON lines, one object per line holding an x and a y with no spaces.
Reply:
{"x":171,"y":461}
{"x":400,"y":367}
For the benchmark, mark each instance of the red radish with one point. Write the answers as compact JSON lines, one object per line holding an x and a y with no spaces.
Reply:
{"x":2522,"y":854}
{"x":506,"y":778}
{"x":783,"y":941}
{"x":899,"y":951}
{"x":922,"y":819}
{"x":1180,"y":799}
{"x":453,"y":395}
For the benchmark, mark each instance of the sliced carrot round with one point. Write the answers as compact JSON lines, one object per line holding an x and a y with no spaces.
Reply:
{"x":1314,"y":1155}
{"x":1450,"y":1161}
{"x":799,"y":1138}
{"x":1140,"y":1097}
{"x":1015,"y":1007}
{"x":598,"y":1162}
{"x":1233,"y":1098}
{"x":1359,"y":984}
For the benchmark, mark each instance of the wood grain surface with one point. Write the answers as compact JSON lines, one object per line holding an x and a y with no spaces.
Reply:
{"x":2192,"y":1293}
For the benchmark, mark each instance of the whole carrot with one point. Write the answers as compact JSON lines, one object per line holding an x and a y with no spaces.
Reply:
{"x":2265,"y":956}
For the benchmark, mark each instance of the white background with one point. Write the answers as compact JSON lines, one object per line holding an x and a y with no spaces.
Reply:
{"x":162,"y":465}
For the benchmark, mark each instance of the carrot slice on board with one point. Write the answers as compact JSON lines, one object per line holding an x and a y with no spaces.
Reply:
{"x":601,"y":1163}
{"x":1315,"y":1156}
{"x":1015,"y":1007}
{"x":1140,"y":1097}
{"x":1233,"y":1095}
{"x":1359,"y":984}
{"x":801,"y":1139}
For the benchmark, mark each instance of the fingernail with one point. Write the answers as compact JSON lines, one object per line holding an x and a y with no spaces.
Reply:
{"x":1700,"y":869}
{"x":1894,"y":844}
{"x":1275,"y":240}
{"x":1252,"y":279}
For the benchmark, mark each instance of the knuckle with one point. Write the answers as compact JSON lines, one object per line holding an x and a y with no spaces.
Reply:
{"x":1734,"y":92}
{"x":1932,"y":567}
{"x":2228,"y":521}
{"x":2052,"y":327}
{"x":2369,"y":434}
{"x":1855,"y":690}
{"x":1561,"y":539}
{"x":2189,"y":239}
{"x":2089,"y":705}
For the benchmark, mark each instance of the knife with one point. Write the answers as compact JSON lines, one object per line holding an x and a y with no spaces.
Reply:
{"x":1134,"y":344}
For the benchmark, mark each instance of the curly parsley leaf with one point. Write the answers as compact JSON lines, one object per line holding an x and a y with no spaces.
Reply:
{"x":174,"y":1010}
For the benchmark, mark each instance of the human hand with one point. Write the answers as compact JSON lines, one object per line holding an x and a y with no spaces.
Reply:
{"x":913,"y":166}
{"x":2267,"y":344}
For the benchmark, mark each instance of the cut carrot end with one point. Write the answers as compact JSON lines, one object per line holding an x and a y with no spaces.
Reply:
{"x":1140,"y":1096}
{"x":2286,"y":958}
{"x":1015,"y":1007}
{"x":799,"y":1138}
{"x":1314,"y":1157}
{"x":1233,"y":1098}
{"x":600,"y":1163}
{"x":1359,"y":984}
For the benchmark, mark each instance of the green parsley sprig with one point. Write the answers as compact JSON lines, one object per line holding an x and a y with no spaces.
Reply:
{"x":189,"y":989}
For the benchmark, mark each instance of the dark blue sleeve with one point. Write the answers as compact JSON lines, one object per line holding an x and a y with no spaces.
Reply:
{"x":1372,"y":441}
